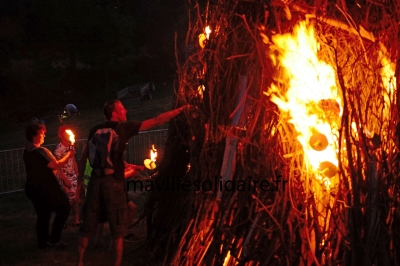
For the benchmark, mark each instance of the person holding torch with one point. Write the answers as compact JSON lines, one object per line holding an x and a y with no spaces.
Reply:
{"x":42,"y":186}
{"x":70,"y":169}
{"x":107,"y":189}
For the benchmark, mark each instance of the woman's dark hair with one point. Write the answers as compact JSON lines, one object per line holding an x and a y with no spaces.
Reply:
{"x":109,"y":107}
{"x":33,"y":129}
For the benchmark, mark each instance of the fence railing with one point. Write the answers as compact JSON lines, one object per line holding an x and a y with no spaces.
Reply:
{"x":12,"y":167}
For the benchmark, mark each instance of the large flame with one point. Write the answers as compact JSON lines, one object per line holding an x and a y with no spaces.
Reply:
{"x":308,"y":97}
{"x":311,"y":101}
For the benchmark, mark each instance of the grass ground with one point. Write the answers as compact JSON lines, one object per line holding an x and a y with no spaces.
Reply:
{"x":18,"y":245}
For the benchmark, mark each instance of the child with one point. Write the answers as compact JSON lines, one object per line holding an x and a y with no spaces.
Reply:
{"x":70,"y":170}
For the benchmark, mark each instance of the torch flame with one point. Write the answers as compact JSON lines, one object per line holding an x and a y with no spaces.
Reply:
{"x":71,"y":136}
{"x":312,"y":101}
{"x":153,"y":154}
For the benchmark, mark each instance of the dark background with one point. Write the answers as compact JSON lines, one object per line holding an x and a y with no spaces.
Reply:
{"x":54,"y":52}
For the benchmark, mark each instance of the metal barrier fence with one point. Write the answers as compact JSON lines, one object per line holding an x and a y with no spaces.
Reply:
{"x":12,"y":167}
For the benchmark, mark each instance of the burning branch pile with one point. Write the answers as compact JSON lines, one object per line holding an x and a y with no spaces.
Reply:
{"x":298,"y":96}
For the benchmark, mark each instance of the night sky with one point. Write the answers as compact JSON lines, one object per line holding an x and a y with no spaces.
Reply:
{"x":71,"y":50}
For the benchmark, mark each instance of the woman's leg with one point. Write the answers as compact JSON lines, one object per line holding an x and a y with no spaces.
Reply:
{"x":43,"y":213}
{"x":62,"y":208}
{"x":99,"y":231}
{"x":75,"y":211}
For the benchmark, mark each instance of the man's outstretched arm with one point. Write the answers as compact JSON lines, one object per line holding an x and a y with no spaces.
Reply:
{"x":162,"y":118}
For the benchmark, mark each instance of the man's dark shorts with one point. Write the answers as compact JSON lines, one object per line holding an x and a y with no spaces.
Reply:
{"x":105,"y":197}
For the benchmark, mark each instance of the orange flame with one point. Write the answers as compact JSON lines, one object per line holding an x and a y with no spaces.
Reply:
{"x":71,"y":136}
{"x":203,"y":37}
{"x":153,"y":154}
{"x":308,"y":97}
{"x":312,"y":101}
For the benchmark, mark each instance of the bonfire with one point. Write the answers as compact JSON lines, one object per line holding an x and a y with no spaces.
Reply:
{"x":307,"y":92}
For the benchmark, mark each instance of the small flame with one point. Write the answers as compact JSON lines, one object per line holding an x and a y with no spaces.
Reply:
{"x":71,"y":136}
{"x":208,"y":31}
{"x":153,"y":154}
{"x":200,"y":90}
{"x":203,"y":37}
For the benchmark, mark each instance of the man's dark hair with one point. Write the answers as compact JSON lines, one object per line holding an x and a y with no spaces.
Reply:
{"x":109,"y":107}
{"x":33,"y":129}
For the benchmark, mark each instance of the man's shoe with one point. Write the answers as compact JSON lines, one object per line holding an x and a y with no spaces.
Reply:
{"x":59,"y":244}
{"x":129,"y":237}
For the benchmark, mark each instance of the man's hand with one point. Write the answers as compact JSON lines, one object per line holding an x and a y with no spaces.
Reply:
{"x":132,"y":170}
{"x":163,"y":118}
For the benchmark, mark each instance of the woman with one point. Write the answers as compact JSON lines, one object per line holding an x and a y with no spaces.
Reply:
{"x":42,"y":187}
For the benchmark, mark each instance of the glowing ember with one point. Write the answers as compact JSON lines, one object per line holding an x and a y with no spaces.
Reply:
{"x":71,"y":136}
{"x":203,"y":37}
{"x":200,"y":91}
{"x":311,"y":101}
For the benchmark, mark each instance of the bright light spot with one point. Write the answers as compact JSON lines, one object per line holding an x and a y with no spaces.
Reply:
{"x":71,"y":136}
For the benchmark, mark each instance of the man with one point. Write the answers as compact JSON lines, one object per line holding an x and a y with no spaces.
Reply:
{"x":107,"y":190}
